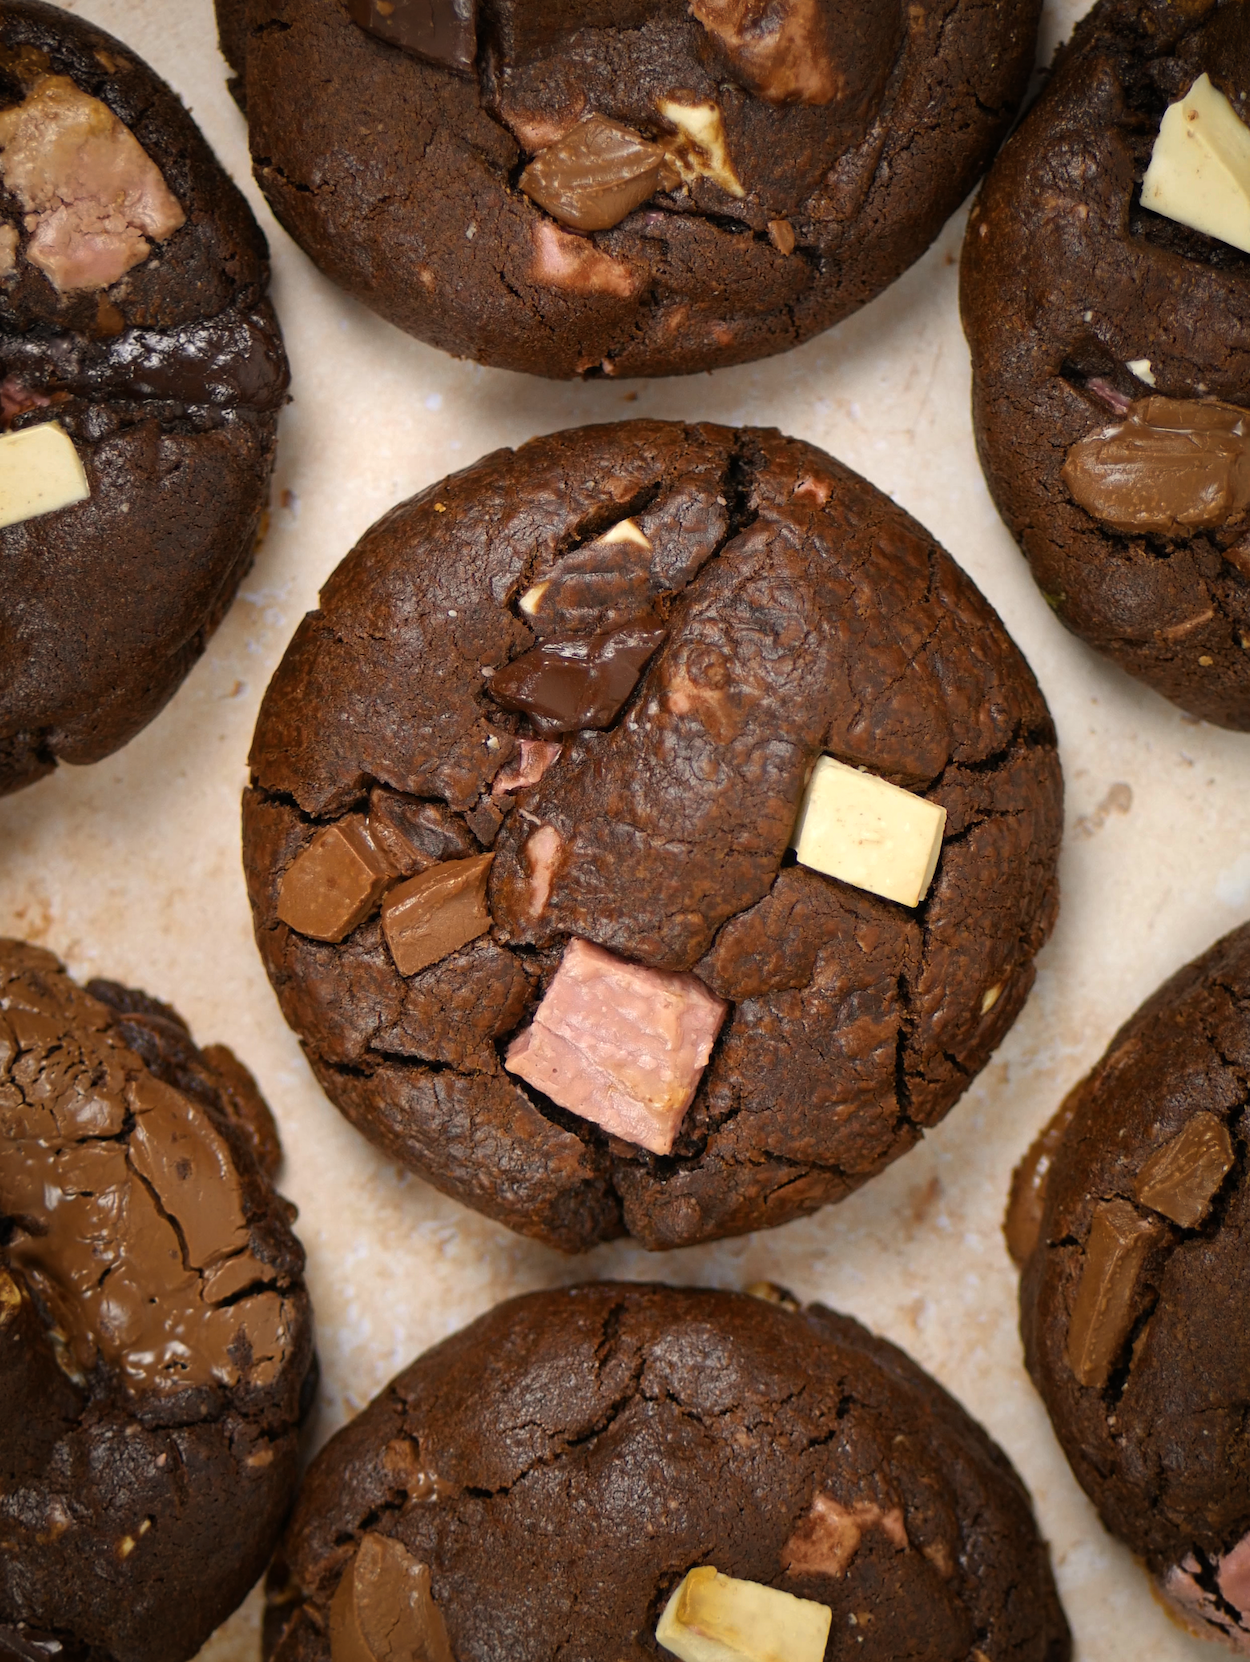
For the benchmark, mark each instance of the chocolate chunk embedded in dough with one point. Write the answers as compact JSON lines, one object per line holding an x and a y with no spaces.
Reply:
{"x":336,"y":882}
{"x":443,"y":31}
{"x":435,"y":913}
{"x":565,"y":686}
{"x":1120,"y":1240}
{"x":1181,"y":1178}
{"x":383,"y":1610}
{"x":597,"y":174}
{"x":1173,"y":465}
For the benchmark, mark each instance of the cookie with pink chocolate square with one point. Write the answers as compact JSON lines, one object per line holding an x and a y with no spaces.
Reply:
{"x":633,"y":1473}
{"x":651,"y":833}
{"x":141,"y":375}
{"x":621,"y":187}
{"x":1130,"y":1220}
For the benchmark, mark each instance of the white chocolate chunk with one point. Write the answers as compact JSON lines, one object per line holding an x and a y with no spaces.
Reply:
{"x":1141,"y":368}
{"x":531,"y":600}
{"x":39,"y":472}
{"x":627,"y":530}
{"x":702,"y":151}
{"x":865,"y":831}
{"x":715,"y":1618}
{"x":1199,"y":173}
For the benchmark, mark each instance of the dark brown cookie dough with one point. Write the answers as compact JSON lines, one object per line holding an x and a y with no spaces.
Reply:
{"x":799,"y":612}
{"x":561,"y":1464}
{"x":520,"y":194}
{"x":1087,"y":312}
{"x":1131,"y":1219}
{"x":167,"y":375}
{"x":155,"y":1335}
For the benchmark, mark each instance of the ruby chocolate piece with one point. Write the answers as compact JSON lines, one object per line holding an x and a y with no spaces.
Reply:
{"x":1181,"y":1178}
{"x":597,"y":174}
{"x":619,"y":1044}
{"x":563,"y":686}
{"x":436,"y":912}
{"x":1106,"y":1301}
{"x":1173,"y":465}
{"x":336,"y":882}
{"x":537,"y":755}
{"x":442,"y":31}
{"x":383,"y":1609}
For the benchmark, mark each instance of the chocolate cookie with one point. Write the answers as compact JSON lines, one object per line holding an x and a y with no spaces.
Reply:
{"x":155,"y":1335}
{"x":646,"y":739}
{"x":539,"y":1484}
{"x":647,"y":187}
{"x":141,"y":371}
{"x":1131,"y":1219}
{"x":1111,"y":348}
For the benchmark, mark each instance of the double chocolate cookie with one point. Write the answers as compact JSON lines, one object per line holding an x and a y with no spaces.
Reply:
{"x":1131,"y":1219}
{"x":646,"y":187}
{"x":1111,"y":344}
{"x":539,"y":1484}
{"x":652,"y":832}
{"x":155,"y":1335}
{"x":141,"y":372}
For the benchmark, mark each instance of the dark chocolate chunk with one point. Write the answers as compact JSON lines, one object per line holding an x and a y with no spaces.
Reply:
{"x":563,"y":686}
{"x":414,"y":834}
{"x":1106,"y":1302}
{"x":597,"y":174}
{"x":442,"y":31}
{"x":1173,"y":465}
{"x":1181,"y":1178}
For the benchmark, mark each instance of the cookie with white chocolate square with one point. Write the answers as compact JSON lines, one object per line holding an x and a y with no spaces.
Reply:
{"x":1106,"y":301}
{"x":651,"y":833}
{"x":634,"y":1473}
{"x":141,"y":374}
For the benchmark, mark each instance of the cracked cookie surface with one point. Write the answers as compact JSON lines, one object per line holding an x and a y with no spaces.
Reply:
{"x":563,"y":1462}
{"x":800,"y":163}
{"x":801,"y":613}
{"x":1131,"y":1218}
{"x":1072,"y":292}
{"x":155,"y":1335}
{"x":157,"y":352}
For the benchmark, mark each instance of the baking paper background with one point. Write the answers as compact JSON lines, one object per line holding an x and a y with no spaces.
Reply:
{"x":130,"y":869}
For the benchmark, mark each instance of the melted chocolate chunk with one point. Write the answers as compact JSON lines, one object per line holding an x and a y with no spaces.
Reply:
{"x":597,"y":174}
{"x":563,"y":686}
{"x":442,"y":31}
{"x":229,"y":361}
{"x":383,"y":1609}
{"x":1173,"y":465}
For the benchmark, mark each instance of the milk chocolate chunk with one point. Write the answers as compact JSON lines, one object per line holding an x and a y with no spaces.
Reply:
{"x":1120,"y":1240}
{"x":1023,"y":1222}
{"x":383,"y":1609}
{"x":441,"y":31}
{"x":1181,"y":1178}
{"x":92,"y":194}
{"x":436,"y":912}
{"x":1173,"y":465}
{"x":336,"y":882}
{"x":597,"y":174}
{"x":566,"y":685}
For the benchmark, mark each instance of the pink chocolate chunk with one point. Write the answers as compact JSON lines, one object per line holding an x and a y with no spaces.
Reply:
{"x":92,"y":194}
{"x":620,"y":1045}
{"x":1199,"y":1610}
{"x":1234,"y":1576}
{"x":536,"y":757}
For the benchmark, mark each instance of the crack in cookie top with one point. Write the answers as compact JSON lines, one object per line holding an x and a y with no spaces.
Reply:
{"x":648,"y":187}
{"x":652,"y":831}
{"x":1106,"y":301}
{"x":141,"y":371}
